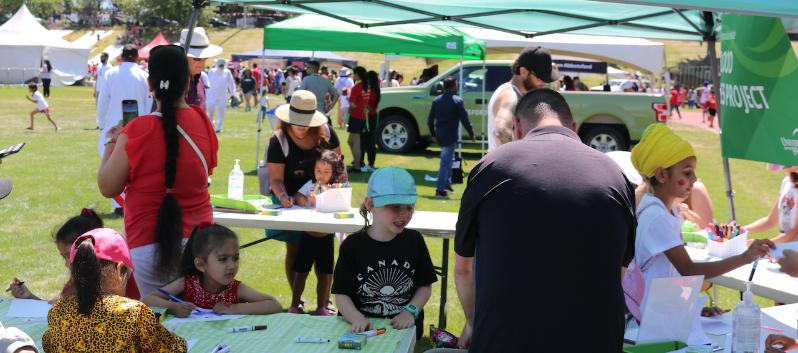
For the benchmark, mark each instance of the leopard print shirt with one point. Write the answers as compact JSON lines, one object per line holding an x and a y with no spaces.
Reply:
{"x":116,"y":324}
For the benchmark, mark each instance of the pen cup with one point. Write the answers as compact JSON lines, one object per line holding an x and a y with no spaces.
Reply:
{"x":728,"y":248}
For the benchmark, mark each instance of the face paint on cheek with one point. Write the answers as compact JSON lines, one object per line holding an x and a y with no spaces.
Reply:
{"x":681,"y":182}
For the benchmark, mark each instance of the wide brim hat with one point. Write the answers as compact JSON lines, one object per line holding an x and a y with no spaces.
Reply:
{"x":200,"y":46}
{"x":345,"y":72}
{"x":301,"y":111}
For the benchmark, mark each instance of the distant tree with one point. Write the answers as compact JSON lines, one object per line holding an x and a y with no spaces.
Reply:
{"x":176,"y":10}
{"x":40,"y":8}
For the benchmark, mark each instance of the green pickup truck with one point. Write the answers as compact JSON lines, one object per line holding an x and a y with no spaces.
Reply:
{"x":607,"y":121}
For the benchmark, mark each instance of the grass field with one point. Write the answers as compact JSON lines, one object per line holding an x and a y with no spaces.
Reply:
{"x":55,"y":176}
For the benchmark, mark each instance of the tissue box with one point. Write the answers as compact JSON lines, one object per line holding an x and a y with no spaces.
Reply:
{"x":728,"y":248}
{"x":334,"y":200}
{"x":352,"y":341}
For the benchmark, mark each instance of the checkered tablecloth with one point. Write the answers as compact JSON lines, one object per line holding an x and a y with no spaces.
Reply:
{"x":279,"y":336}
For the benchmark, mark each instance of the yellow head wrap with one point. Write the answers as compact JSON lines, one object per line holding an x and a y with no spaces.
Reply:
{"x":660,"y":147}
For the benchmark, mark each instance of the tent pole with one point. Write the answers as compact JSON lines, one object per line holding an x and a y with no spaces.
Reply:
{"x":483,"y":110}
{"x":192,"y":22}
{"x":261,"y":114}
{"x":713,"y":64}
{"x":462,"y":95}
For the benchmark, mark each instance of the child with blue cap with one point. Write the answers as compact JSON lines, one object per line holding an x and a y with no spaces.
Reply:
{"x":385,"y":270}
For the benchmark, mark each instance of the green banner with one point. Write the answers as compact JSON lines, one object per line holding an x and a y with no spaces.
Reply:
{"x":758,"y":101}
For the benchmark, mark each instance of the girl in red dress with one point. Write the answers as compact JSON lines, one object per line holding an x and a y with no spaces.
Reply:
{"x":210,"y":265}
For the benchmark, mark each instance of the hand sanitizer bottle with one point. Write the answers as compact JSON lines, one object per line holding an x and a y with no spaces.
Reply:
{"x":235,"y":183}
{"x":746,"y":329}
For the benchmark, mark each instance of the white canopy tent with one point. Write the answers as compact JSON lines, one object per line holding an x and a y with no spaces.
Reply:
{"x":24,"y":43}
{"x":639,"y":53}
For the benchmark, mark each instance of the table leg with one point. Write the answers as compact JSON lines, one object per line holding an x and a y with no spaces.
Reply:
{"x":444,"y":283}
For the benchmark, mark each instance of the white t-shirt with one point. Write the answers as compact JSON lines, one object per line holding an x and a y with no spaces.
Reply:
{"x":308,"y":188}
{"x":705,"y":94}
{"x":291,"y":85}
{"x":788,"y":213}
{"x":658,"y":230}
{"x":344,"y":84}
{"x":491,"y":124}
{"x":41,"y":104}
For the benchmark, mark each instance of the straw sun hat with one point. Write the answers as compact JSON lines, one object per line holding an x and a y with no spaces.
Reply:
{"x":200,"y":46}
{"x":301,"y":111}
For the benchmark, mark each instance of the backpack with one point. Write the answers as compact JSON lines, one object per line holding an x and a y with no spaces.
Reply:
{"x":634,"y":284}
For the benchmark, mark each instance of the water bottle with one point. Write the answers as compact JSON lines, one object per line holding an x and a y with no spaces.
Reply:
{"x":746,"y":329}
{"x":235,"y":183}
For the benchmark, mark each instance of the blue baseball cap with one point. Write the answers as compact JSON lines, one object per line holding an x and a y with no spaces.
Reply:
{"x":392,"y":186}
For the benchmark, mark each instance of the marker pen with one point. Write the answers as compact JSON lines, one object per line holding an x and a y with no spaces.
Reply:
{"x":311,"y":340}
{"x":372,"y":333}
{"x":247,"y":328}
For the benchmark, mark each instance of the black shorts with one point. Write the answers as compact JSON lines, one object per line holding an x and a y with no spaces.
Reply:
{"x":317,"y":250}
{"x":712,"y":112}
{"x":356,"y":126}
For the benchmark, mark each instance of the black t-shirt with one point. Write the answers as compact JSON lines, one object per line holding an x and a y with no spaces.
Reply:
{"x":549,"y":222}
{"x":299,"y":163}
{"x":382,"y":277}
{"x":247,"y":84}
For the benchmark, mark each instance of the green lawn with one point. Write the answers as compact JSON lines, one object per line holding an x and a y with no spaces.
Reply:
{"x":54,"y":177}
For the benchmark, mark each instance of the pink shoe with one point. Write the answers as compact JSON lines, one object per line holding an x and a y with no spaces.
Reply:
{"x":323,"y":312}
{"x":296,"y":310}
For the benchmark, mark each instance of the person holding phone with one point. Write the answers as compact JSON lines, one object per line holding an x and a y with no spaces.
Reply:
{"x":124,"y":94}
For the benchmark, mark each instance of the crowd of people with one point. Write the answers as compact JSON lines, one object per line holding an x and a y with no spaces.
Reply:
{"x":701,"y":97}
{"x":160,"y":163}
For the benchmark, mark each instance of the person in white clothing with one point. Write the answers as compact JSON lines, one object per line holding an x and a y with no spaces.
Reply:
{"x":102,"y":69}
{"x":343,"y":85}
{"x":667,"y":163}
{"x":292,"y":83}
{"x":13,"y":340}
{"x":221,"y":82}
{"x":126,"y":82}
{"x":532,"y":69}
{"x":41,"y":106}
{"x":784,"y":213}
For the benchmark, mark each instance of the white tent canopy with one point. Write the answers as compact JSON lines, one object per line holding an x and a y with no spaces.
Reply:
{"x":23,"y":44}
{"x":639,"y":53}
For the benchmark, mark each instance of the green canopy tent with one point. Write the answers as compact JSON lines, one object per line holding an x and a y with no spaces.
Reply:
{"x":315,"y":32}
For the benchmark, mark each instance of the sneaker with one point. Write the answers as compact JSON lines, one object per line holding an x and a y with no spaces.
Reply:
{"x":296,"y":309}
{"x":448,"y":188}
{"x":440,"y":194}
{"x":323,"y":312}
{"x":352,"y":169}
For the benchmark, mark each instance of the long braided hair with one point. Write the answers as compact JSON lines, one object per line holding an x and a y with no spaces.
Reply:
{"x":168,"y":76}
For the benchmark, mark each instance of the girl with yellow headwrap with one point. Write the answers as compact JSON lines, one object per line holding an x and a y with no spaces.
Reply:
{"x":667,"y":163}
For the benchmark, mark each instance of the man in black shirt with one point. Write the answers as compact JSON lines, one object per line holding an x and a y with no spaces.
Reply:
{"x":548,"y":223}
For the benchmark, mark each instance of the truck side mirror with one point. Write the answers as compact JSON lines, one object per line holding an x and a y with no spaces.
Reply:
{"x":437,"y":89}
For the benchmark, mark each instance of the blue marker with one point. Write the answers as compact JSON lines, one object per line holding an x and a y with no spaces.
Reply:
{"x":174,"y":298}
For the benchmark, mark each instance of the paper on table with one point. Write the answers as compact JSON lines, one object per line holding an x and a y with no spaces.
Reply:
{"x":28,"y":308}
{"x":719,"y":325}
{"x":779,"y":251}
{"x":202,"y":315}
{"x":669,"y":309}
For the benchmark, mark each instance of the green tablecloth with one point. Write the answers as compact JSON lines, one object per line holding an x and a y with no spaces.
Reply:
{"x":278,"y":337}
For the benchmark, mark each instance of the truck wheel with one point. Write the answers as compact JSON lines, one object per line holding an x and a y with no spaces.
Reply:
{"x":396,"y":134}
{"x":605,"y":139}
